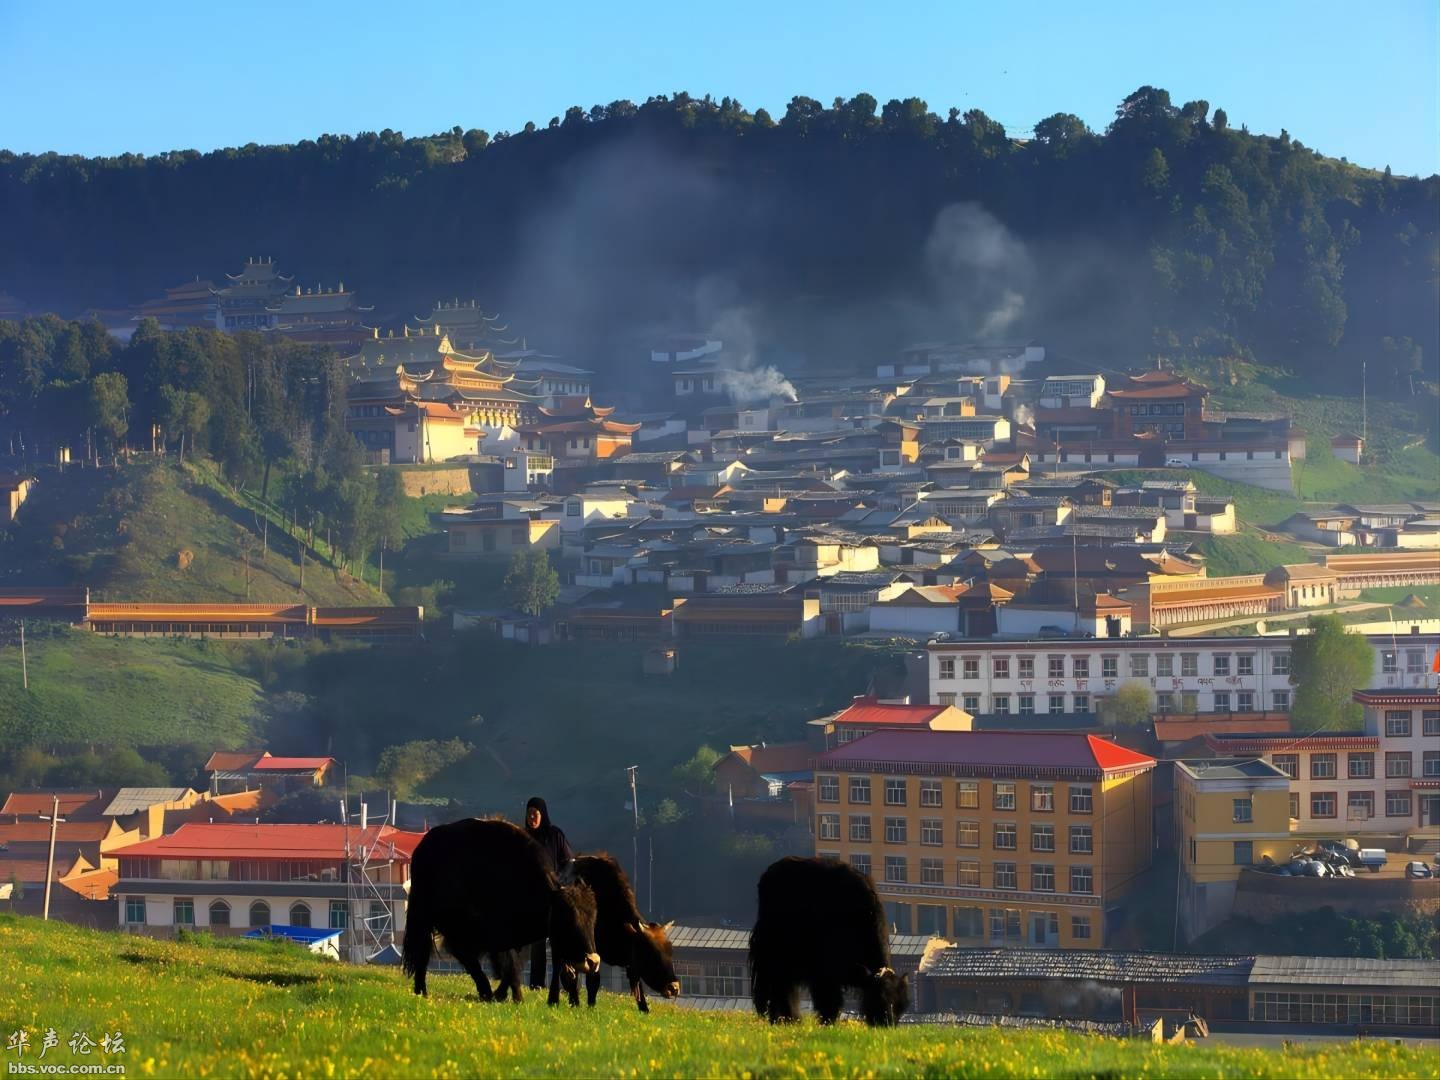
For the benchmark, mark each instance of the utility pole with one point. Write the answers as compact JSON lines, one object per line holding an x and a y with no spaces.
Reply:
{"x":54,"y":819}
{"x":635,"y":835}
{"x":1364,"y":404}
{"x":24,"y":663}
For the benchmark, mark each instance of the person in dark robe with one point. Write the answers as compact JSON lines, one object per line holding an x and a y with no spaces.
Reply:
{"x":552,"y":841}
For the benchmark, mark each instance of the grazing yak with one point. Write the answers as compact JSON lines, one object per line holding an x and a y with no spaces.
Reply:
{"x":821,"y":925}
{"x":486,"y":889}
{"x":622,"y":936}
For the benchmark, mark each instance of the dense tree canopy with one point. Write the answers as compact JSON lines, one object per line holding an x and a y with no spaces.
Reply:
{"x":1170,"y":232}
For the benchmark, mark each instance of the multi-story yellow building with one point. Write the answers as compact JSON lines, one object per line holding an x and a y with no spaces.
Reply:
{"x":1229,"y":814}
{"x":1010,"y":838}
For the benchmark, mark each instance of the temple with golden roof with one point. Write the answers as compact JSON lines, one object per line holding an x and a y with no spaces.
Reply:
{"x":576,"y":429}
{"x":261,"y":298}
{"x":421,"y":399}
{"x":466,"y":324}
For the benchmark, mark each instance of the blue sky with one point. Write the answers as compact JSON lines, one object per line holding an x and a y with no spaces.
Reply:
{"x":1353,"y":80}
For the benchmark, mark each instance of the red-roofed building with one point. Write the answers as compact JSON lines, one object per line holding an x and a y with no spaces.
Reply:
{"x":867,"y":714}
{"x":242,"y":770}
{"x":74,"y":805}
{"x":1009,"y":838}
{"x":228,"y":878}
{"x":758,"y":784}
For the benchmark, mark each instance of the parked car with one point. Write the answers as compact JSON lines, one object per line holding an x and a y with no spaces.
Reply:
{"x":1052,"y":632}
{"x":1176,"y":463}
{"x":1372,"y":859}
{"x":1418,"y":869}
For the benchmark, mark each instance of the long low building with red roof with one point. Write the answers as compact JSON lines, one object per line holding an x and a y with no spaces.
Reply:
{"x":987,"y":837}
{"x":868,"y":714}
{"x":228,"y":878}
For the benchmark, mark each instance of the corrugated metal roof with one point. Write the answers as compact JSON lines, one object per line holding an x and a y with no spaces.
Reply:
{"x":1346,"y":971}
{"x":130,"y":800}
{"x":962,"y":963}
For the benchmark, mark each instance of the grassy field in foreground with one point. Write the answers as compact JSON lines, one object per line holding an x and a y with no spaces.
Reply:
{"x":235,"y":1008}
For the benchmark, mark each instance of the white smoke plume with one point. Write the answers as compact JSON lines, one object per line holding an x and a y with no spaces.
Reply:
{"x":980,"y":271}
{"x":745,"y":379}
{"x":1024,"y":414}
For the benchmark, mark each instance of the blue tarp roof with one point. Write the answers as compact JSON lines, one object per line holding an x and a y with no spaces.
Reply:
{"x":301,"y":935}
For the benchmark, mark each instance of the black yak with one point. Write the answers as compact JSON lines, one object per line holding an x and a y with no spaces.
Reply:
{"x":486,"y":889}
{"x":622,"y":936}
{"x":821,"y":925}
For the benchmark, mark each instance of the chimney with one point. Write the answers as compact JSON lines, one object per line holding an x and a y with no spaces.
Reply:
{"x":364,"y":815}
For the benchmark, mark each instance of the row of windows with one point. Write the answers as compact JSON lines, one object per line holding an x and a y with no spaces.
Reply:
{"x":1138,"y":665}
{"x":995,"y":926}
{"x":1003,"y":793}
{"x":972,"y":874}
{"x":183,"y":912}
{"x":1359,"y":805}
{"x":1419,"y":1010}
{"x":1398,"y":723}
{"x":1414,"y":662}
{"x":1360,"y":765}
{"x":931,"y":833}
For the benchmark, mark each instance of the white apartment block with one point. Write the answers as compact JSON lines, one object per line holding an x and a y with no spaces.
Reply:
{"x":1185,"y":675}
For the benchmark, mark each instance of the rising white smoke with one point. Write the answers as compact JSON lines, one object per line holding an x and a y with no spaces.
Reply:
{"x":745,"y":379}
{"x":980,"y":271}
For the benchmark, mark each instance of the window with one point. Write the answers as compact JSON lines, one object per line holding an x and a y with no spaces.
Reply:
{"x":970,"y":703}
{"x":1080,"y":927}
{"x":1280,"y":663}
{"x":967,"y":834}
{"x":1057,"y":667}
{"x":1042,"y":837}
{"x":895,"y":791}
{"x":943,"y":698}
{"x":895,"y":830}
{"x":930,"y":919}
{"x":1414,"y":661}
{"x":1002,"y":667}
{"x":1027,"y":667}
{"x":339,"y":915}
{"x":572,"y":508}
{"x":1240,"y":811}
{"x":967,"y":794}
{"x":135,"y":910}
{"x":1109,"y":667}
{"x":1280,"y":700}
{"x":1289,"y":764}
{"x":219,"y":913}
{"x":1322,"y":804}
{"x":1245,"y":701}
{"x":1042,"y":797}
{"x":1005,"y":836}
{"x":1397,"y":804}
{"x":1295,"y":806}
{"x":1082,"y":880}
{"x":1002,"y":705}
{"x":1082,"y":704}
{"x":1082,"y":798}
{"x":861,"y":864}
{"x":859,"y":828}
{"x":932,"y":872}
{"x":1004,"y":798}
{"x":969,"y":922}
{"x":1430,"y":764}
{"x":1397,"y":723}
{"x":932,"y":832}
{"x":1027,"y":704}
{"x":860,"y":789}
{"x":930,"y":793}
{"x":1082,"y":840}
{"x":967,"y":873}
{"x":828,"y":789}
{"x":895,"y":868}
{"x":1360,"y":806}
{"x":947,"y":667}
{"x":299,"y":913}
{"x":897,"y":915}
{"x":1165,"y":665}
{"x":829,"y":826}
{"x":1164,"y":701}
{"x":1430,"y":719}
{"x":1005,"y":876}
{"x":1042,"y":878}
{"x":1244,"y":853}
{"x":1222,"y":701}
{"x":971,"y":668}
{"x":1245,"y":664}
{"x":259,"y":913}
{"x":1389,"y":663}
{"x":1397,"y":765}
{"x":1139,"y":666}
{"x":1057,"y":704}
{"x":1189,"y":665}
{"x":1080,"y":667}
{"x":184,"y":909}
{"x":1322,"y":767}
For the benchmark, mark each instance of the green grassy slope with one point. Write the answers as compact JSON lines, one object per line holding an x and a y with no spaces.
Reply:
{"x":121,"y":531}
{"x":236,"y":1008}
{"x":118,"y":692}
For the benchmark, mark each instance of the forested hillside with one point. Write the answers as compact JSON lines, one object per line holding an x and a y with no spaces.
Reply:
{"x":836,"y":232}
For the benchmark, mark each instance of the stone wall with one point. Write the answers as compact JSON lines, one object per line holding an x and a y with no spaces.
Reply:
{"x":1264,"y":897}
{"x":454,"y":480}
